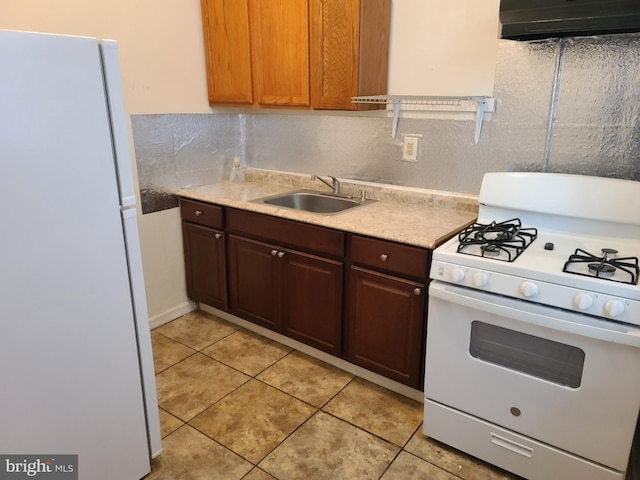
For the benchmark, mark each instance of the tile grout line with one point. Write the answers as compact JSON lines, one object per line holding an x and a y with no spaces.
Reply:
{"x":315,"y":413}
{"x":285,"y":439}
{"x":254,"y":377}
{"x":251,"y":377}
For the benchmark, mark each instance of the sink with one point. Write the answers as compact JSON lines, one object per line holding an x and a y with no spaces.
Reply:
{"x":312,"y":201}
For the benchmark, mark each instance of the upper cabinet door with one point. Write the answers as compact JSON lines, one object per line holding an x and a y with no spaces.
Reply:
{"x":280,"y":43}
{"x":306,"y":54}
{"x":228,"y":51}
{"x":334,"y":47}
{"x":349,"y":51}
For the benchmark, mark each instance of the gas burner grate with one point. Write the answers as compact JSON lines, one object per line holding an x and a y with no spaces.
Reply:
{"x":604,"y":267}
{"x":503,"y":241}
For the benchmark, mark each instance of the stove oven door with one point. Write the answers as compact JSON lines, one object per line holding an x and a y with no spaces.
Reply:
{"x":557,"y":378}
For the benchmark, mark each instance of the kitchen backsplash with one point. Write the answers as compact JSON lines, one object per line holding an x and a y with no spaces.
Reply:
{"x":562,"y":105}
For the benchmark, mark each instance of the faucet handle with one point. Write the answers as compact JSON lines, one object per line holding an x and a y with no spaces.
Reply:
{"x":336,"y":184}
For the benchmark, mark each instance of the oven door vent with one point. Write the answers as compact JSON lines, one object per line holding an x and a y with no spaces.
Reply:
{"x":535,"y":356}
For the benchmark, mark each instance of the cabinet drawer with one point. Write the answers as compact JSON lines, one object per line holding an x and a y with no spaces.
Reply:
{"x":287,"y":232}
{"x":201,"y":213}
{"x":390,"y":256}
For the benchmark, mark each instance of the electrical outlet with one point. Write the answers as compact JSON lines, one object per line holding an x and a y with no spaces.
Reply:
{"x":410,"y":149}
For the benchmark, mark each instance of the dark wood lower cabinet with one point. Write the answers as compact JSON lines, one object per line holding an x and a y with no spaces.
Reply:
{"x":288,"y":276}
{"x":254,"y":279}
{"x":205,"y":264}
{"x":312,"y":300}
{"x":294,"y":293}
{"x":386,"y":321}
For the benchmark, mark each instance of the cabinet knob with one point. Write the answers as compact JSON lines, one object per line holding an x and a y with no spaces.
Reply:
{"x":218,"y":236}
{"x":383,"y":257}
{"x":274,"y":253}
{"x":198,"y":213}
{"x":417,"y":291}
{"x":280,"y":254}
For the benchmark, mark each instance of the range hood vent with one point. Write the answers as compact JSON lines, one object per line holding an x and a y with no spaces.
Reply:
{"x":532,"y":19}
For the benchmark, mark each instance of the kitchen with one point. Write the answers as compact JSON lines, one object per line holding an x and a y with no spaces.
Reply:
{"x":165,"y":91}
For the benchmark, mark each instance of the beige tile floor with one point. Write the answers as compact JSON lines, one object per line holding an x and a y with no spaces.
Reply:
{"x":235,"y":405}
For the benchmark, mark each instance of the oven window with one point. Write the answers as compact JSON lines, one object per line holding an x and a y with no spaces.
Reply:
{"x":542,"y":358}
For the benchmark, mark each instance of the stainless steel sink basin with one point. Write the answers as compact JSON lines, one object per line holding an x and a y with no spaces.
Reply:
{"x":315,"y":202}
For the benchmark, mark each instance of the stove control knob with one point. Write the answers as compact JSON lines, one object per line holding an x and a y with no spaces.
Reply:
{"x":613,"y":308}
{"x":457,"y":274}
{"x":529,"y":289}
{"x":582,"y":301}
{"x":480,"y":279}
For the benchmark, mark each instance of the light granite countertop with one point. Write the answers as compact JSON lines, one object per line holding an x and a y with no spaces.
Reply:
{"x":419,"y":217}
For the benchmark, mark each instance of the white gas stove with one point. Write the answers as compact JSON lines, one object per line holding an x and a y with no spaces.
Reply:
{"x":533,"y":339}
{"x":584,"y":216}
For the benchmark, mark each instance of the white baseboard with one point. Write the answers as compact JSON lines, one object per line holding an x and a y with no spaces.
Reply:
{"x":392,"y":385}
{"x":172,"y":314}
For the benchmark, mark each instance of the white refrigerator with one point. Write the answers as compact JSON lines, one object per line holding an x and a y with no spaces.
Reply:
{"x":76,"y":367}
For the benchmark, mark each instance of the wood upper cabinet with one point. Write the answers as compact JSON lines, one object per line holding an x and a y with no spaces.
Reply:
{"x":227,"y":51}
{"x":349,"y":52}
{"x":280,"y":48}
{"x":296,"y":53}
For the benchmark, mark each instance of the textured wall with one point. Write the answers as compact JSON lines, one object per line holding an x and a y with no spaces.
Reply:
{"x":597,"y":125}
{"x":562,"y":105}
{"x":176,"y":151}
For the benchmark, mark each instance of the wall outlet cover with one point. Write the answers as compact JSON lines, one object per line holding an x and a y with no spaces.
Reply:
{"x":410,"y":149}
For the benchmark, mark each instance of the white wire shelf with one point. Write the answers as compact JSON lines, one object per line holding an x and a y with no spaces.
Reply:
{"x":414,"y":103}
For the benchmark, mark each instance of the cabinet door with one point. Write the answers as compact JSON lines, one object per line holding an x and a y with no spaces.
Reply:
{"x":204,"y":252}
{"x":225,"y":26}
{"x":334,"y":52}
{"x":280,"y":51}
{"x":254,"y":280}
{"x":312,"y":300}
{"x":386,"y":320}
{"x":349,"y":51}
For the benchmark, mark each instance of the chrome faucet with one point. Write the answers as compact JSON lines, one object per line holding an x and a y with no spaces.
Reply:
{"x":335,"y":186}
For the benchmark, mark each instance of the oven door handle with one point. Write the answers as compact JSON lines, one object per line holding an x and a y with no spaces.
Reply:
{"x":548,"y":317}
